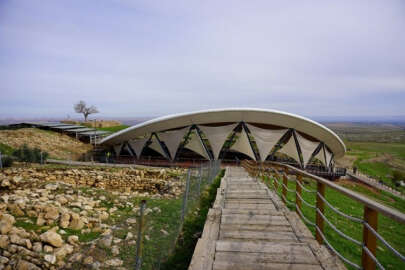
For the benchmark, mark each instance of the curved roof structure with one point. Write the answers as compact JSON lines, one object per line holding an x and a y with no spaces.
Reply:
{"x":250,"y":116}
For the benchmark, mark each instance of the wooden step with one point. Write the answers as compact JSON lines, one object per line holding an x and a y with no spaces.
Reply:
{"x":247,"y":192}
{"x":262,"y":206}
{"x":257,"y":227}
{"x":265,"y":200}
{"x":228,"y":211}
{"x":258,"y":235}
{"x":256,"y":219}
{"x":230,"y":265}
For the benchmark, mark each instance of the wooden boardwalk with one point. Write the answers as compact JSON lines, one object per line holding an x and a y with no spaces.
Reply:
{"x":249,"y":227}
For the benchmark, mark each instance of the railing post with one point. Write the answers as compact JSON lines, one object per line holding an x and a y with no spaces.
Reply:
{"x":320,"y":206}
{"x":275,"y":181}
{"x":183,"y":210}
{"x":298,"y":189}
{"x":199,"y":179}
{"x":285,"y":184}
{"x":369,"y":239}
{"x":139,"y":239}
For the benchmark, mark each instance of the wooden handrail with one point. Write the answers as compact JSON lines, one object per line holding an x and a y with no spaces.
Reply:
{"x":384,"y":210}
{"x":371,"y":208}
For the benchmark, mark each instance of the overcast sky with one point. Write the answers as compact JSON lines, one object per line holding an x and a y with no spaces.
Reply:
{"x":148,"y":58}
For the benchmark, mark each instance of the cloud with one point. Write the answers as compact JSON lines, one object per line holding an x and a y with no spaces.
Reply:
{"x":140,"y":58}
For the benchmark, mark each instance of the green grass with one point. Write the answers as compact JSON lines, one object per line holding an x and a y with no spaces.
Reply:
{"x":192,"y":229}
{"x":378,"y":160}
{"x":6,"y":149}
{"x":392,"y":231}
{"x":114,"y":129}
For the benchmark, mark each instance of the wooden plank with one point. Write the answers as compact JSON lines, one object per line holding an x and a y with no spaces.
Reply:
{"x":266,"y":258}
{"x":265,"y":220}
{"x":258,"y":235}
{"x":250,"y":206}
{"x":256,"y":227}
{"x":228,"y":211}
{"x":263,"y":247}
{"x":264,"y":266}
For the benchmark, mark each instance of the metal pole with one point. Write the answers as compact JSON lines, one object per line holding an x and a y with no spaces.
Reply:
{"x":184,"y":208}
{"x":199,"y":180}
{"x":1,"y":162}
{"x":139,"y":239}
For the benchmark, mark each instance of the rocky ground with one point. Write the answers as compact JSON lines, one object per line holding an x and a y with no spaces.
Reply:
{"x":56,"y":144}
{"x":84,"y":218}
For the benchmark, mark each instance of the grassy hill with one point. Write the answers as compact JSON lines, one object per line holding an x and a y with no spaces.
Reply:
{"x":375,"y":149}
{"x":58,"y":145}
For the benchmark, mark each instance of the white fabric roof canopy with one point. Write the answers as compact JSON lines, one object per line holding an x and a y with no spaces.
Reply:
{"x":137,"y":145}
{"x":266,"y":139}
{"x":290,"y":149}
{"x":217,"y":136}
{"x":242,"y":145}
{"x":172,"y":139}
{"x":155,"y":145}
{"x":233,"y":115}
{"x":194,"y":144}
{"x":307,"y":148}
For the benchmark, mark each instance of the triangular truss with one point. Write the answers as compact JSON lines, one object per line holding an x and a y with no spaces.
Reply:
{"x":195,"y":144}
{"x":117,"y":149}
{"x":291,"y":150}
{"x":156,"y":145}
{"x":243,"y":145}
{"x":265,"y":139}
{"x":217,"y":136}
{"x":307,"y":148}
{"x":138,"y":145}
{"x":172,"y":139}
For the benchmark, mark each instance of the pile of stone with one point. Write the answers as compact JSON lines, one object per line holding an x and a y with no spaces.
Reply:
{"x":38,"y":212}
{"x":165,"y":183}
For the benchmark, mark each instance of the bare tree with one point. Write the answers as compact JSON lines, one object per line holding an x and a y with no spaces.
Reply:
{"x":81,"y":107}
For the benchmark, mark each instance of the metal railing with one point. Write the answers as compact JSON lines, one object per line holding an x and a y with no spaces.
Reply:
{"x":277,"y":174}
{"x":196,"y":180}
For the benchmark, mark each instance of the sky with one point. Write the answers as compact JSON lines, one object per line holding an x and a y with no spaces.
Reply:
{"x":134,"y":58}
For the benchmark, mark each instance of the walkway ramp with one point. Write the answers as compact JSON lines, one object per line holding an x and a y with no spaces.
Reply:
{"x":249,"y":227}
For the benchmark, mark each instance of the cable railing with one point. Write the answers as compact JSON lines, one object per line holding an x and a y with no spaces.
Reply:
{"x":277,"y":177}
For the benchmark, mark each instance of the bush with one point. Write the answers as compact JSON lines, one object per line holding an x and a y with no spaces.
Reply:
{"x":6,"y":161}
{"x":27,"y":154}
{"x":192,"y":229}
{"x":397,"y":176}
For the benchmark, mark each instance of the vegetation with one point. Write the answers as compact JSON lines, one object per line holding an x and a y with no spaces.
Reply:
{"x":114,"y":128}
{"x":379,"y":160}
{"x":6,"y":161}
{"x":6,"y":149}
{"x":82,"y":108}
{"x":32,"y":155}
{"x":392,"y":231}
{"x":192,"y":229}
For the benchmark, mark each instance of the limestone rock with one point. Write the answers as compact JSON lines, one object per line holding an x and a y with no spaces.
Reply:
{"x":115,"y":250}
{"x":105,"y":241}
{"x":51,"y":258}
{"x":52,"y":238}
{"x":63,"y":251}
{"x":76,"y":223}
{"x":64,"y":220}
{"x":114,"y":262}
{"x":51,"y":213}
{"x":4,"y":241}
{"x":24,"y":265}
{"x":6,"y":223}
{"x":73,"y":239}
